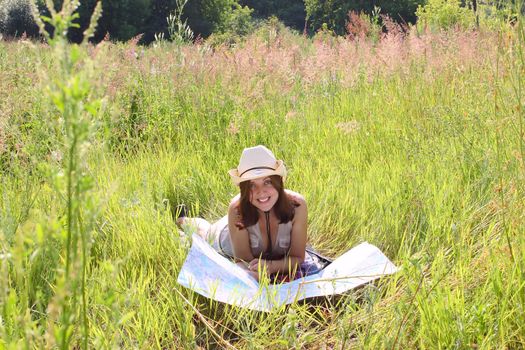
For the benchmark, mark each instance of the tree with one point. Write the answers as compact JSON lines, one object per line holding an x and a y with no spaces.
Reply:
{"x":335,"y":12}
{"x":292,"y":13}
{"x":125,"y":19}
{"x":16,"y":18}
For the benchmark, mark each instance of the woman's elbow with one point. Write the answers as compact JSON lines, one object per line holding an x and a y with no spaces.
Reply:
{"x":297,"y":259}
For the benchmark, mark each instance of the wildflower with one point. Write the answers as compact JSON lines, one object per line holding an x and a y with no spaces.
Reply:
{"x":348,"y":127}
{"x":232,"y":129}
{"x":290,"y":115}
{"x":56,"y":156}
{"x":5,"y":256}
{"x":255,"y":125}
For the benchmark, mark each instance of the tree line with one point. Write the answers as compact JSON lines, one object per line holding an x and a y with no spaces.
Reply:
{"x":124,"y":19}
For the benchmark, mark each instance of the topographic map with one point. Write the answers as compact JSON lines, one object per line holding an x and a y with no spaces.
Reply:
{"x":212,"y":275}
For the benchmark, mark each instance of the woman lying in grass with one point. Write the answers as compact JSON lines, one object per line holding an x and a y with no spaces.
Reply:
{"x":265,"y":229}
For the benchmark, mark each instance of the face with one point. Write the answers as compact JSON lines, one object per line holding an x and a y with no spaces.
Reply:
{"x":263,"y":195}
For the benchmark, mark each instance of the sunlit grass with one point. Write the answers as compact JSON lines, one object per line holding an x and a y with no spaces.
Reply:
{"x":413,"y":145}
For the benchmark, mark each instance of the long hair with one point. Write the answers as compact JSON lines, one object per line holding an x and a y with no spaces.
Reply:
{"x":284,"y":208}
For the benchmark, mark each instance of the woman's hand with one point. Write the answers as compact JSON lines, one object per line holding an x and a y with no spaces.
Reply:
{"x":262,"y":264}
{"x":246,"y":267}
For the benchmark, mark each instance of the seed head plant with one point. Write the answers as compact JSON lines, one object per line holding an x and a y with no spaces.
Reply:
{"x":76,"y":110}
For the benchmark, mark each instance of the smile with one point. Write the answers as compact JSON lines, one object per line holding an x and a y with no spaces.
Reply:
{"x":263,"y":200}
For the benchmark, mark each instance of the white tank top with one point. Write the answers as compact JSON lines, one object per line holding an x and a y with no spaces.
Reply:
{"x":280,"y":247}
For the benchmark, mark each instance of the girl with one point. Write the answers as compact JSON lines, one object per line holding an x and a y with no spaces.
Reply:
{"x":265,"y":229}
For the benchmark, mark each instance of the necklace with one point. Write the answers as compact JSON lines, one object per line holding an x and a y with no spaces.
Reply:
{"x":269,"y":248}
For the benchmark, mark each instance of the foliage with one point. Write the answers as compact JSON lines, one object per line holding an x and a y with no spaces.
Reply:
{"x":59,"y":250}
{"x":119,"y":18}
{"x":16,"y":18}
{"x":272,"y":31}
{"x":334,"y":12}
{"x":391,"y":141}
{"x":363,"y":26}
{"x":178,"y":30}
{"x":224,"y":18}
{"x":236,"y":24}
{"x":496,"y":14}
{"x":291,"y":13}
{"x":229,"y":20}
{"x":444,"y":14}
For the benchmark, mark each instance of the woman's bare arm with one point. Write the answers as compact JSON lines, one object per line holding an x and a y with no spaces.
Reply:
{"x":239,"y":236}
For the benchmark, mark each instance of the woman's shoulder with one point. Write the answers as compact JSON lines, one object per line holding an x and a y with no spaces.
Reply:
{"x":234,"y":209}
{"x":300,"y":209}
{"x":297,"y":198}
{"x":234,"y":212}
{"x":234,"y":203}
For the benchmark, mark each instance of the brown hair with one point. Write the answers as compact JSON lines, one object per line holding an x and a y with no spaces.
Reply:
{"x":284,"y":207}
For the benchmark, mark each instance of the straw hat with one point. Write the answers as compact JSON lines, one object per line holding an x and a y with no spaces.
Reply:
{"x":257,"y":162}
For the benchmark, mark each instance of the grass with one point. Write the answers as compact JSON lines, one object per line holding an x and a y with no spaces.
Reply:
{"x":414,"y":144}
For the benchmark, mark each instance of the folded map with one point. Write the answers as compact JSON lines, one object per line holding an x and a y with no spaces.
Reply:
{"x":212,"y":275}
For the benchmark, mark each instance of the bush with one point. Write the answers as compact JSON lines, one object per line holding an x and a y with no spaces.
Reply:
{"x":16,"y":18}
{"x":444,"y":14}
{"x":234,"y":25}
{"x":361,"y":25}
{"x":270,"y":29}
{"x":292,"y":12}
{"x":119,"y":18}
{"x":335,"y":12}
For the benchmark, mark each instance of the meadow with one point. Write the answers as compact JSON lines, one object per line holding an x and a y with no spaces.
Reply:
{"x":413,"y":142}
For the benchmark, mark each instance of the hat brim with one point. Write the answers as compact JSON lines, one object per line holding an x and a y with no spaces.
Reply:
{"x":257,"y":173}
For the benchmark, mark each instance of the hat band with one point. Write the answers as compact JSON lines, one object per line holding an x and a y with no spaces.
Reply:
{"x":259,"y":167}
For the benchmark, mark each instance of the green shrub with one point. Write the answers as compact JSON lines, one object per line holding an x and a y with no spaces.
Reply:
{"x":335,"y":12}
{"x":16,"y":18}
{"x":495,"y":16}
{"x":444,"y":14}
{"x":234,"y":25}
{"x":270,"y":30}
{"x":291,"y":12}
{"x":361,"y":25}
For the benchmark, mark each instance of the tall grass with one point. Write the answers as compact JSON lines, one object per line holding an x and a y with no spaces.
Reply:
{"x":413,"y":143}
